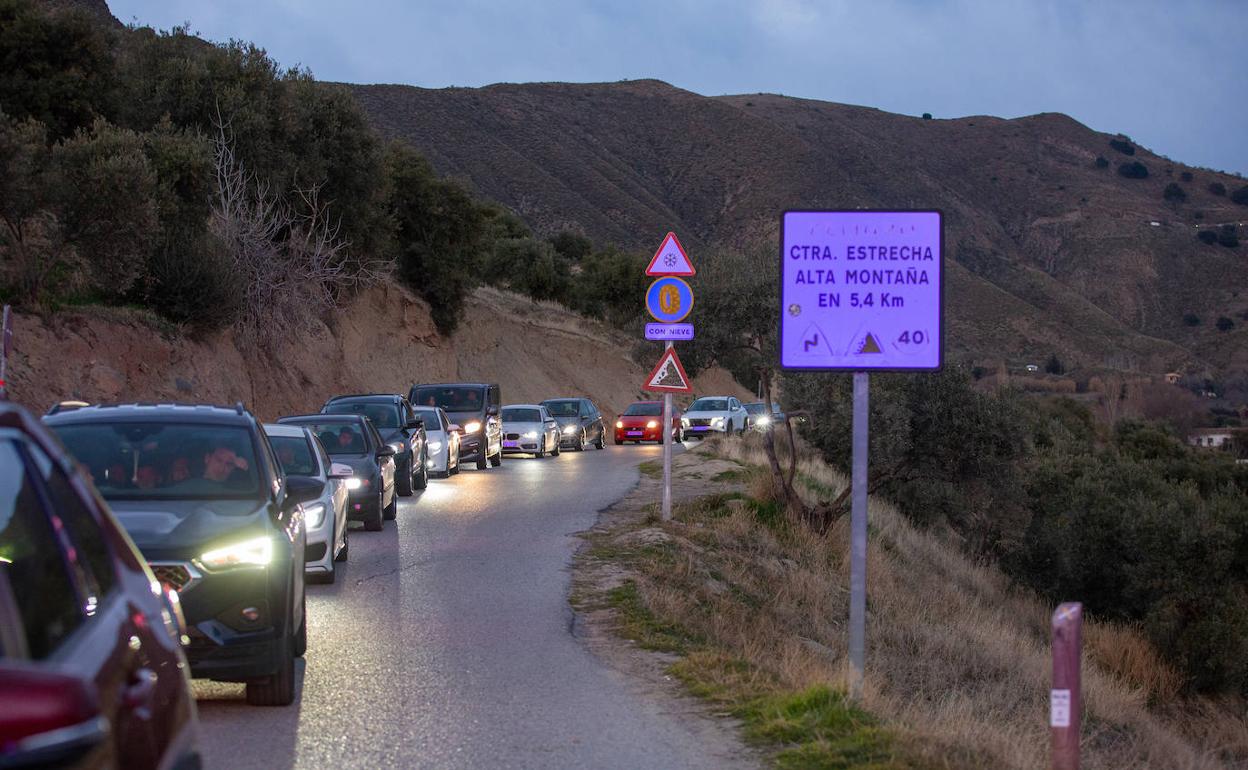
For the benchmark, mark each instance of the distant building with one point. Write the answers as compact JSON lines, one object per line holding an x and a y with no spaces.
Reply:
{"x":1226,"y":439}
{"x":1173,"y":378}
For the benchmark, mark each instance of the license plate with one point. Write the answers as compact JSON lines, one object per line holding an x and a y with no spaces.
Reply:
{"x":700,"y":427}
{"x":511,"y":444}
{"x":635,"y":432}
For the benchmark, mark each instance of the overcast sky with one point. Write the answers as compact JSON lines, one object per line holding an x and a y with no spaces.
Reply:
{"x":1172,"y":75}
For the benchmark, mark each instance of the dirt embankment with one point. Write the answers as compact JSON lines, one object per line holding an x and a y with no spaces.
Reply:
{"x":383,"y":342}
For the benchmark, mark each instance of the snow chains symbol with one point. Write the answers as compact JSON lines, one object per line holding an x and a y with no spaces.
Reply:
{"x":670,"y":260}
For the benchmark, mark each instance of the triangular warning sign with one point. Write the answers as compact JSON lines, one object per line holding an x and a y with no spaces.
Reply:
{"x":869,"y":345}
{"x":668,"y":376}
{"x":670,"y":259}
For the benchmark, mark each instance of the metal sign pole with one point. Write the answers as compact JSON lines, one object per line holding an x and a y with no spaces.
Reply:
{"x":1065,"y":707}
{"x":667,"y":450}
{"x":858,"y":538}
{"x":6,"y":344}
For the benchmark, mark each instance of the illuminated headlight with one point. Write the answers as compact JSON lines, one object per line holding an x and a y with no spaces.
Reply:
{"x":435,"y":446}
{"x":354,"y":483}
{"x":684,"y":423}
{"x":717,"y":421}
{"x":398,"y":446}
{"x":764,"y":420}
{"x":472,"y":427}
{"x":315,"y":515}
{"x":568,"y":430}
{"x":429,"y":463}
{"x":619,"y":423}
{"x":257,"y":552}
{"x":652,"y":424}
{"x":531,"y":434}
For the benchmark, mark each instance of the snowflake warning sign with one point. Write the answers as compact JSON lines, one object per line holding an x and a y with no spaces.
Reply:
{"x":668,"y":376}
{"x":670,"y":259}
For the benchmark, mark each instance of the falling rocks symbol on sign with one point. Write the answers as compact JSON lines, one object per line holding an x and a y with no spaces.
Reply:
{"x":869,"y":345}
{"x":669,"y":377}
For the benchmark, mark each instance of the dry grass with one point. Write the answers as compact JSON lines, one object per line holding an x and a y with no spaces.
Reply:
{"x":958,"y":662}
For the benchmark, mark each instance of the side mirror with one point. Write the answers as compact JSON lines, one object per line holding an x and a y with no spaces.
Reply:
{"x":303,"y":489}
{"x":492,"y":410}
{"x":340,"y":471}
{"x":456,"y":428}
{"x":415,"y":425}
{"x":385,"y":451}
{"x":50,"y":719}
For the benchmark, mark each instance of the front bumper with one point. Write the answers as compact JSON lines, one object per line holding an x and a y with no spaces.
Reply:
{"x":638,"y":434}
{"x":362,"y":503}
{"x":319,"y":552}
{"x":703,"y":430}
{"x":472,"y":446}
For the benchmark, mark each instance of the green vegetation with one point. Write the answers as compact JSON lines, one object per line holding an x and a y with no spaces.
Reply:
{"x":1123,"y":146}
{"x":1207,"y":237}
{"x":652,"y":468}
{"x":1240,"y":196}
{"x":1217,"y":188}
{"x":1225,"y":324}
{"x":1174,"y":193}
{"x":1191,"y":319}
{"x":1133,"y":170}
{"x":1228,"y":237}
{"x":1102,"y":161}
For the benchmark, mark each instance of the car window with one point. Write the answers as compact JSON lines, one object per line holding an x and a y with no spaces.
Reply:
{"x":643,"y":410}
{"x":432,"y":418}
{"x":384,"y":416}
{"x":339,"y":438}
{"x":33,"y":561}
{"x":165,"y":460}
{"x":446,"y":423}
{"x":709,"y":405}
{"x":562,"y":408}
{"x":294,"y":454}
{"x":451,"y":398}
{"x":528,"y":414}
{"x":95,"y":562}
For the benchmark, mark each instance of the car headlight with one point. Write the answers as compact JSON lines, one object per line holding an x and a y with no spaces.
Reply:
{"x":472,"y":427}
{"x":314,"y":514}
{"x":652,"y":424}
{"x":764,"y":420}
{"x":568,"y":430}
{"x":619,"y":423}
{"x":257,"y":552}
{"x":717,"y":421}
{"x":684,"y":423}
{"x":435,"y":446}
{"x":531,"y":434}
{"x":354,"y":482}
{"x":398,"y":447}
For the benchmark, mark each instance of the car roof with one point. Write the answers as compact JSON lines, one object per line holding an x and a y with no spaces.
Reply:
{"x":565,"y":398}
{"x":646,"y":402}
{"x":104,"y":413}
{"x":522,"y":406}
{"x":455,"y":385}
{"x":369,"y":397}
{"x":299,"y":419}
{"x":286,"y":431}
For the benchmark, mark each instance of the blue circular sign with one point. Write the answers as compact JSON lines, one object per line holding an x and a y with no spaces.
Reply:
{"x":669,"y":299}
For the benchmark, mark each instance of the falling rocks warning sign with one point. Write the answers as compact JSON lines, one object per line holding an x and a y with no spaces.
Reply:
{"x":668,"y":376}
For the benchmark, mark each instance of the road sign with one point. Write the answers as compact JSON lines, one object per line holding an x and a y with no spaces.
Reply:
{"x":669,"y":299}
{"x":670,"y":259}
{"x":861,"y":290}
{"x":669,"y":332}
{"x":668,"y":376}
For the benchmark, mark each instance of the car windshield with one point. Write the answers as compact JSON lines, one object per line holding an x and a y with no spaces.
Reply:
{"x":562,"y":408}
{"x":165,"y":460}
{"x":340,"y":438}
{"x":295,"y":455}
{"x":512,"y":414}
{"x":709,"y":405}
{"x":384,"y":416}
{"x":430,"y":416}
{"x":643,"y":410}
{"x":756,"y":408}
{"x":450,"y":398}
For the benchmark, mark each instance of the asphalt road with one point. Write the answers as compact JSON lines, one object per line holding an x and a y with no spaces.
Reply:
{"x":446,"y":642}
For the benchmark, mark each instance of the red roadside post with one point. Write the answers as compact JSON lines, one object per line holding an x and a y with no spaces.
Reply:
{"x":1065,"y":708}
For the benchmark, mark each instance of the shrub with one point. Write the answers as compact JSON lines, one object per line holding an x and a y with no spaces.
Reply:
{"x":1122,"y":146}
{"x":572,"y":245}
{"x":1186,"y":176}
{"x":1191,"y":319}
{"x":1174,"y":193}
{"x":927,"y":116}
{"x":1102,"y":161}
{"x":1209,"y":237}
{"x":1133,"y":170}
{"x":1054,"y":365}
{"x":1240,"y":196}
{"x":1225,"y":324}
{"x":1217,"y":188}
{"x":1228,"y":237}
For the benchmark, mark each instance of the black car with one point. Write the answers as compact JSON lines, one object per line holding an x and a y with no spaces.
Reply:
{"x":580,"y":422}
{"x":399,"y":427}
{"x":352,"y":439}
{"x":92,"y":672}
{"x":474,"y":407}
{"x":199,"y":491}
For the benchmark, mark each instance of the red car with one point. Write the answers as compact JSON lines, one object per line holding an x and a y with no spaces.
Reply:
{"x":640,"y":422}
{"x":92,"y":673}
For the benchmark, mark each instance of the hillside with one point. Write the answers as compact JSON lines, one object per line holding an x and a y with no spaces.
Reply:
{"x":1047,"y":251}
{"x":385,"y":341}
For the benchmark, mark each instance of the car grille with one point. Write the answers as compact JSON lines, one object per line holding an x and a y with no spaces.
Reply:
{"x":176,"y":576}
{"x":512,"y":436}
{"x":700,"y":421}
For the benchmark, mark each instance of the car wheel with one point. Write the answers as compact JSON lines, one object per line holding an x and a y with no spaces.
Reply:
{"x":392,"y":510}
{"x":422,"y":481}
{"x":497,"y":459}
{"x":601,"y":442}
{"x":580,"y":442}
{"x":454,"y":470}
{"x":277,"y":689}
{"x":616,"y":441}
{"x":555,"y":452}
{"x":541,"y":452}
{"x":345,"y":553}
{"x":301,"y":636}
{"x":482,"y":461}
{"x":377,"y":520}
{"x":403,"y":481}
{"x":680,"y":436}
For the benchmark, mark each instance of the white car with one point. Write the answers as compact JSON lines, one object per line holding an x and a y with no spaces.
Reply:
{"x":529,"y":429}
{"x":441,"y":441}
{"x":715,"y":414}
{"x":300,"y":453}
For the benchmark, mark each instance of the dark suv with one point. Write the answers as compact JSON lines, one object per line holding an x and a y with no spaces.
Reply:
{"x":399,"y":427}
{"x":92,"y":672}
{"x":580,"y":422}
{"x":473,"y":406}
{"x":200,"y":492}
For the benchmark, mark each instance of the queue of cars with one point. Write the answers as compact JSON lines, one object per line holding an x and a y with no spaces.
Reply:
{"x":145,"y":544}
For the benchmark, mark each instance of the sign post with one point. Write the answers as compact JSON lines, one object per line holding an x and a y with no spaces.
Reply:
{"x":6,"y":347}
{"x":860,"y":291}
{"x":1065,"y":707}
{"x":669,"y":301}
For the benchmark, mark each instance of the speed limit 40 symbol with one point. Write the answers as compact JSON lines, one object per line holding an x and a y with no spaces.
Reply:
{"x":669,"y":300}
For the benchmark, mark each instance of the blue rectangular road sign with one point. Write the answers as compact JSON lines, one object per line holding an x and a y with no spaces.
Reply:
{"x":861,"y":290}
{"x":669,"y":332}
